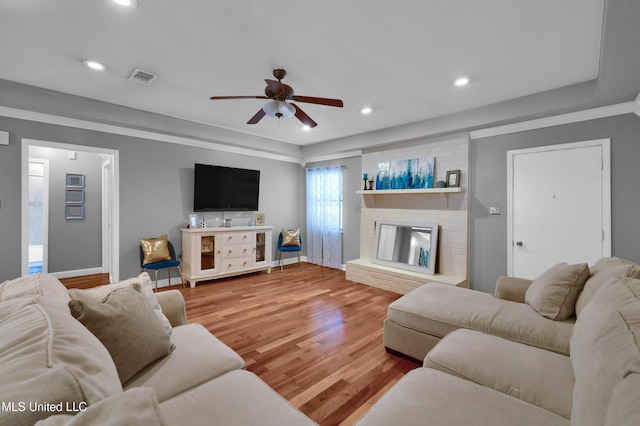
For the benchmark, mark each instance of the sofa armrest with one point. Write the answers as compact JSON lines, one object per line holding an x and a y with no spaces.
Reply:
{"x":512,"y":288}
{"x":173,"y":307}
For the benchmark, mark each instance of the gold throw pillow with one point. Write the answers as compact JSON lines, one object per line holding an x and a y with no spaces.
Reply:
{"x":291,"y":238}
{"x":155,"y":249}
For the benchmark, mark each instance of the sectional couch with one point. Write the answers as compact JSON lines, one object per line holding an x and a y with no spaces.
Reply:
{"x":540,"y":312}
{"x":120,"y":354}
{"x":476,"y":378}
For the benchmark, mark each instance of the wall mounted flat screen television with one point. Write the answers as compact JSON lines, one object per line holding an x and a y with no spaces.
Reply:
{"x":218,"y":188}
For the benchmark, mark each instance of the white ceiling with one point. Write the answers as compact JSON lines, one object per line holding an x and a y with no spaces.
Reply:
{"x":399,"y":57}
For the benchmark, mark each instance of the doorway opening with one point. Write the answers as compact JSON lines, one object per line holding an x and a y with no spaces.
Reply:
{"x":35,"y":183}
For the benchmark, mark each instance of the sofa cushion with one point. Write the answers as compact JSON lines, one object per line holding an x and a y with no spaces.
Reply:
{"x":605,"y":348}
{"x":198,"y":357}
{"x":98,"y":294}
{"x":553,"y":293}
{"x":425,"y":396}
{"x":624,"y":409}
{"x":33,"y":286}
{"x":438,"y":309}
{"x":46,"y":356}
{"x":235,"y":398}
{"x":601,"y":272}
{"x":137,"y":406}
{"x":127,"y":326}
{"x":542,"y":378}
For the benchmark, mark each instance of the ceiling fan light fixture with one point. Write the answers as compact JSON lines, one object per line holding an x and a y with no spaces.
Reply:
{"x":279,"y":109}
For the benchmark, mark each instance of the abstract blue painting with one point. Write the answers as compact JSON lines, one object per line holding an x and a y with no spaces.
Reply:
{"x":413,"y":173}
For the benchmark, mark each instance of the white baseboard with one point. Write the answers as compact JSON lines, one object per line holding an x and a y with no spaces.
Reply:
{"x":76,"y":273}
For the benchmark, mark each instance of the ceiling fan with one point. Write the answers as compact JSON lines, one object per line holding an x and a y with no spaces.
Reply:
{"x":279,"y":107}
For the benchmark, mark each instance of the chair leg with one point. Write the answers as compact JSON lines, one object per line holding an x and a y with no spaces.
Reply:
{"x":280,"y":261}
{"x":299,"y":264}
{"x":169,"y":276}
{"x":156,"y":281}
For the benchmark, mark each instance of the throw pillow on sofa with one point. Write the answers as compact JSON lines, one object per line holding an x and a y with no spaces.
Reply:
{"x":553,"y":293}
{"x":98,"y":294}
{"x":127,"y":326}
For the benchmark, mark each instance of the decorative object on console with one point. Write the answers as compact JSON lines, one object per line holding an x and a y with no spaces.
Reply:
{"x":453,"y":178}
{"x":227,"y":222}
{"x":203,"y":223}
{"x":365,"y":176}
{"x":440,"y":184}
{"x":259,"y":219}
{"x":414,"y":173}
{"x":193,"y":221}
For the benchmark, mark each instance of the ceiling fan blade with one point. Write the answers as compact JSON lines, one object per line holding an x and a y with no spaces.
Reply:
{"x":257,"y":117}
{"x":319,"y":101}
{"x":275,"y":86}
{"x":303,"y":117}
{"x":215,"y":98}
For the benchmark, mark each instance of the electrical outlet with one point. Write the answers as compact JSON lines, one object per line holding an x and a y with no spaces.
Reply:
{"x":494,"y":210}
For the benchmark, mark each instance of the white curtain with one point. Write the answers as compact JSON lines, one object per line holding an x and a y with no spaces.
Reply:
{"x":324,"y":216}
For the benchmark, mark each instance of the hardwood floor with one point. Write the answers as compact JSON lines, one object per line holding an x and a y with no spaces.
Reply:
{"x":313,"y":336}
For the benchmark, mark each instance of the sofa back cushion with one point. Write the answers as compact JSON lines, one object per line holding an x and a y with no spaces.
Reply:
{"x":33,"y":286}
{"x":48,"y":357}
{"x":601,"y":272}
{"x":605,"y":348}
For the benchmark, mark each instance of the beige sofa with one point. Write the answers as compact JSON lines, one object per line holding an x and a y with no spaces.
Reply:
{"x":418,"y":320}
{"x":475,"y":378}
{"x":56,"y":371}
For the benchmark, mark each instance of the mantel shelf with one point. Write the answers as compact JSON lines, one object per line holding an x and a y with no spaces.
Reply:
{"x":410,"y":191}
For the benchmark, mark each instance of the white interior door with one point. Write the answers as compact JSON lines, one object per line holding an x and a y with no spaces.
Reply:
{"x":559,"y":207}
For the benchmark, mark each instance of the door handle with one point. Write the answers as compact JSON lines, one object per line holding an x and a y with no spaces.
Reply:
{"x":519,"y":244}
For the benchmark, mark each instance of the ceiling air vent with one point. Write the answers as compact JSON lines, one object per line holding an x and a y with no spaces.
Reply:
{"x":142,"y":77}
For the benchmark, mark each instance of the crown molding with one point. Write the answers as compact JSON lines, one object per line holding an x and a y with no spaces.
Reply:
{"x":143,"y":134}
{"x":557,"y":120}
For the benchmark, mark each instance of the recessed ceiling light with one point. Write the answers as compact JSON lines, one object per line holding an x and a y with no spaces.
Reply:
{"x":127,"y":3}
{"x":306,"y":128}
{"x":366,"y":110}
{"x":462,"y":81}
{"x":95,"y":65}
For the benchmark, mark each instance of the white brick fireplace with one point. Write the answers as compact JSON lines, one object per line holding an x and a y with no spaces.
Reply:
{"x":449,"y":210}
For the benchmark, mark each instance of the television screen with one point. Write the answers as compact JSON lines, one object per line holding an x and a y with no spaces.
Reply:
{"x":218,"y":188}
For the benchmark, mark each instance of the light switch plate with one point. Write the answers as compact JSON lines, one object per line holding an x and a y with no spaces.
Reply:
{"x":494,"y":210}
{"x":4,"y":138}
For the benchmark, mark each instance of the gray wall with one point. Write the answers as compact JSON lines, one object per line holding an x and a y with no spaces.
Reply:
{"x":351,"y":182}
{"x":156,"y":188}
{"x":66,"y":252}
{"x":488,"y":180}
